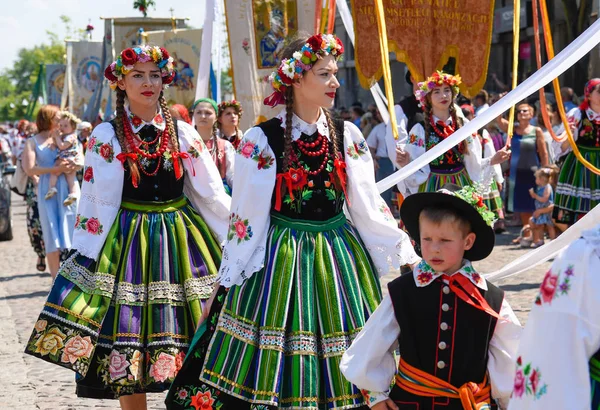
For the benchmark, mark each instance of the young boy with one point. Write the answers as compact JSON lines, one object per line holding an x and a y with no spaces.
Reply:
{"x":456,"y":334}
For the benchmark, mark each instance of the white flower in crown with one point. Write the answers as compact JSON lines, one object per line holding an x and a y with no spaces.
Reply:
{"x":289,"y":69}
{"x":297,"y":55}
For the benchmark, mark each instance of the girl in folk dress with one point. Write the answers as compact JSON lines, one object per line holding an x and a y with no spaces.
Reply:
{"x":463,"y":164}
{"x":228,"y":122}
{"x":146,"y":247}
{"x":204,"y":113}
{"x":298,"y":281}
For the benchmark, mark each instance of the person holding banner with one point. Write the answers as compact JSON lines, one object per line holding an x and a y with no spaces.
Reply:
{"x":578,"y":189}
{"x":558,"y":360}
{"x":204,"y":113}
{"x":146,"y":246}
{"x":462,"y":165}
{"x":298,"y":280}
{"x":228,"y":122}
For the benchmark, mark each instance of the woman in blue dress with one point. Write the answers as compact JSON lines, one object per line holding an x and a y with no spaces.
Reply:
{"x":39,"y":157}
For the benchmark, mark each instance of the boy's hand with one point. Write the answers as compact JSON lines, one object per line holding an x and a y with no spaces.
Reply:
{"x":387,"y":404}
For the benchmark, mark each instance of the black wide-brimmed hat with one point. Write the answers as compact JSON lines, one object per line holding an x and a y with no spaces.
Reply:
{"x":467,"y":202}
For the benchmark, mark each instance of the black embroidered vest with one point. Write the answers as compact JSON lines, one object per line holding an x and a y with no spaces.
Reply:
{"x":588,"y":132}
{"x":441,"y":335}
{"x":163,"y":186}
{"x":319,"y":199}
{"x":450,"y":161}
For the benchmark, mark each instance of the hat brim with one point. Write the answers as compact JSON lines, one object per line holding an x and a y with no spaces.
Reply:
{"x":414,"y":204}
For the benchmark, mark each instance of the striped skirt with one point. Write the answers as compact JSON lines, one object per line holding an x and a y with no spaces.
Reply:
{"x":438,"y":179}
{"x":124,"y":323}
{"x":493,"y":200}
{"x":595,"y":383}
{"x":279,"y":337}
{"x":578,"y":189}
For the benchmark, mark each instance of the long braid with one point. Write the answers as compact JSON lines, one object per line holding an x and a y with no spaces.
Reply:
{"x":287,"y":135}
{"x":332,"y":134}
{"x":427,"y":122}
{"x":462,"y":147}
{"x":120,"y":132}
{"x":173,"y":138}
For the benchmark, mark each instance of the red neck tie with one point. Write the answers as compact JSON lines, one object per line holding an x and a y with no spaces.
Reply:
{"x":468,"y":292}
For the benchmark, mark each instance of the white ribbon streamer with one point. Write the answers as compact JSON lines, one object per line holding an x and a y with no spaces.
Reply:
{"x":555,"y":67}
{"x":205,"y":51}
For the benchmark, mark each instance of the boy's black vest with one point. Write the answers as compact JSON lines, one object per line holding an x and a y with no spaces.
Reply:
{"x":441,"y":335}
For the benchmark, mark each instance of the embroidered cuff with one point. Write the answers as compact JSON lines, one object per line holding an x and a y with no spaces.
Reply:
{"x":374,"y":397}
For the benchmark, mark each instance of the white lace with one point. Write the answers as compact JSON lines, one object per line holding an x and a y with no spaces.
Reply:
{"x":300,"y":126}
{"x":95,"y":283}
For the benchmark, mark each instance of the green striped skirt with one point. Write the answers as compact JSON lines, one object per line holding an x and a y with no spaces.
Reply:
{"x":280,"y":335}
{"x":437,"y":180}
{"x":493,"y":200}
{"x":124,"y":322}
{"x":578,"y":189}
{"x":595,"y":383}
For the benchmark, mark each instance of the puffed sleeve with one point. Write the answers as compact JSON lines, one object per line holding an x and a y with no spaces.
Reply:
{"x":489,"y":151}
{"x":203,"y":185}
{"x":503,"y":354}
{"x":388,"y":246}
{"x":562,"y":333}
{"x":255,"y":173}
{"x":369,"y":363}
{"x":229,"y":163}
{"x":573,"y":117}
{"x":101,"y":192}
{"x":415,"y":146}
{"x":478,"y":168}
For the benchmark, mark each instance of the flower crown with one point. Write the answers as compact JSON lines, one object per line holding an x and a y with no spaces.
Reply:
{"x":471,"y":195}
{"x":438,"y":79}
{"x":140,"y":54}
{"x":292,"y":69}
{"x":233,"y":103}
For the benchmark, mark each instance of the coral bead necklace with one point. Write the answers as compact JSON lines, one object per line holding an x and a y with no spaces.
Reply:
{"x":319,"y":147}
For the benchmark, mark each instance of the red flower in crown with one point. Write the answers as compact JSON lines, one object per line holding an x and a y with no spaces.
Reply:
{"x":169,"y":79}
{"x":165,"y":53}
{"x":109,"y":74}
{"x":129,"y":57}
{"x":315,"y":42}
{"x":341,"y":45}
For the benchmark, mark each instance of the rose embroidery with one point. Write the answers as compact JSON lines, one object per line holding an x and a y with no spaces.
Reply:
{"x":548,"y":287}
{"x":552,"y":286}
{"x":246,"y":149}
{"x":519,"y":387}
{"x":77,"y":347}
{"x":91,"y":225}
{"x":202,"y":401}
{"x":239,"y":228}
{"x":528,"y":381}
{"x":117,"y":366}
{"x":104,"y":150}
{"x":163,"y":368}
{"x":88,"y":175}
{"x":40,"y":325}
{"x":385,"y":210}
{"x":50,"y":342}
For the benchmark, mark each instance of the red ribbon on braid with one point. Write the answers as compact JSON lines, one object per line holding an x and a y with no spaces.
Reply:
{"x":123,"y":156}
{"x":288,"y":182}
{"x":178,"y":170}
{"x":274,"y":99}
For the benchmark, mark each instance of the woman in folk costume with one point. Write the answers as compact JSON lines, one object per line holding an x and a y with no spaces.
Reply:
{"x":578,"y":189}
{"x":146,"y":246}
{"x":297,"y":281}
{"x":558,"y":360}
{"x":463,"y":164}
{"x":228,"y":122}
{"x":204,"y":112}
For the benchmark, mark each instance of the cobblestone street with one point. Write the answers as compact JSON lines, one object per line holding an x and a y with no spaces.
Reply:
{"x":28,"y":383}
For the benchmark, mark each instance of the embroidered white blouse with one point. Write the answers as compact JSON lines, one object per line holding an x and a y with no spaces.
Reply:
{"x":478,"y":168}
{"x":369,"y":363}
{"x":101,"y":194}
{"x":562,"y":332}
{"x":573,"y":116}
{"x":255,"y":171}
{"x":489,"y":151}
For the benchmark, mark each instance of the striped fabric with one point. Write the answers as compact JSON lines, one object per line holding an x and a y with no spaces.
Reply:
{"x":578,"y":189}
{"x":492,"y":199}
{"x":595,"y":383}
{"x":437,"y":180}
{"x":281,"y":334}
{"x":125,"y":322}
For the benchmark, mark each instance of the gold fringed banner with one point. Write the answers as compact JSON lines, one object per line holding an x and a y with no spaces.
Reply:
{"x":424,"y":34}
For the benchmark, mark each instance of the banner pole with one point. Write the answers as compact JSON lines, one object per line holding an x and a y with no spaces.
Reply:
{"x":515,"y":64}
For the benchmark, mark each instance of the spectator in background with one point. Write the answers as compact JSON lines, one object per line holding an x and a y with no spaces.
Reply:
{"x":481,"y":102}
{"x":376,"y":140}
{"x":567,"y":95}
{"x":367,"y":122}
{"x":345,"y":114}
{"x":356,"y":114}
{"x":84,"y":130}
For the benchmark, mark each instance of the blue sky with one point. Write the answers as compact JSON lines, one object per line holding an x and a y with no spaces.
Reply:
{"x":24,"y":23}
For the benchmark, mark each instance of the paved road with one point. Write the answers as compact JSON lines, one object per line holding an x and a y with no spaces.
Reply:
{"x":28,"y":383}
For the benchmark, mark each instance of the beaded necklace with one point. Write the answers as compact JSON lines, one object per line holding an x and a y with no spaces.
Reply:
{"x":320,"y":146}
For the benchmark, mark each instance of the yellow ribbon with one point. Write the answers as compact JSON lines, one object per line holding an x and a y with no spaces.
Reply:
{"x":515,"y":65}
{"x":385,"y":63}
{"x":556,"y":84}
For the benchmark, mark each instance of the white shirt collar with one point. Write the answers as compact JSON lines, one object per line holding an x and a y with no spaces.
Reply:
{"x":137,"y":123}
{"x":592,"y":115}
{"x":448,"y":120}
{"x":425,"y":274}
{"x":299,"y":126}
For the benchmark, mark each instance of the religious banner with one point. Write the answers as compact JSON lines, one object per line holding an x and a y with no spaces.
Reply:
{"x":424,"y":34}
{"x":184,"y":47}
{"x":84,"y":73}
{"x":257,"y":30}
{"x":55,"y":81}
{"x":127,"y":29}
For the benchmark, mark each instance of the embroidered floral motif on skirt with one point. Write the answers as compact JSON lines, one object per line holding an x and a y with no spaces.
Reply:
{"x":124,"y":323}
{"x":280,"y":336}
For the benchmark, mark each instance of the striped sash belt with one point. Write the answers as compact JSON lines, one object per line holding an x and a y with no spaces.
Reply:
{"x":473,"y":396}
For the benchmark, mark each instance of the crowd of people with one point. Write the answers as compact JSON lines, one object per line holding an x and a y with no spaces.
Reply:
{"x":239,"y":269}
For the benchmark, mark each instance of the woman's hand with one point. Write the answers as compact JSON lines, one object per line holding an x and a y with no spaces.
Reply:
{"x":402,"y":157}
{"x":208,"y":305}
{"x":64,"y":167}
{"x":387,"y":404}
{"x":499,"y":185}
{"x":500,"y":156}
